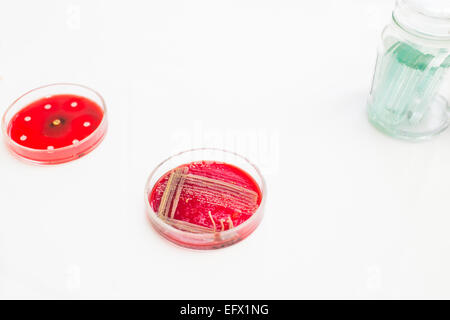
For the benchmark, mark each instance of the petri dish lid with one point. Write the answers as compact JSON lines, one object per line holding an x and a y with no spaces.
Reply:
{"x":428,"y":18}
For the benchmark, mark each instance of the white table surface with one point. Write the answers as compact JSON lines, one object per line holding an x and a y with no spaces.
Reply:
{"x":350,"y":213}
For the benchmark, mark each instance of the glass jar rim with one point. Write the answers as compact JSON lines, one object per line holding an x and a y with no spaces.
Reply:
{"x":424,"y":19}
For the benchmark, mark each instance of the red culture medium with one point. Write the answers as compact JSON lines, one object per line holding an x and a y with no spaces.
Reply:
{"x":55,"y":122}
{"x":205,"y":196}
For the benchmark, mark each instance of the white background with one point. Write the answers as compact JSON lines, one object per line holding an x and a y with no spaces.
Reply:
{"x":350,"y":213}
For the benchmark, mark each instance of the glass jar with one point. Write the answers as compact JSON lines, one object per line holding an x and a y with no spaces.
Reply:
{"x":410,"y":92}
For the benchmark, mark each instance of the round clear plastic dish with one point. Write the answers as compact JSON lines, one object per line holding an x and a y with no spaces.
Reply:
{"x":409,"y":98}
{"x":217,"y":239}
{"x":56,"y":155}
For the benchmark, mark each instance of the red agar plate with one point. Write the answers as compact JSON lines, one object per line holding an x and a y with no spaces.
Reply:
{"x":201,"y":203}
{"x":55,"y":123}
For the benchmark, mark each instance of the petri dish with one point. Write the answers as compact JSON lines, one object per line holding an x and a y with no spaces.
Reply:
{"x":55,"y":123}
{"x":205,"y":198}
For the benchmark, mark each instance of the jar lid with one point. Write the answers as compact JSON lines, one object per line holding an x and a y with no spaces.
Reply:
{"x":428,"y":18}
